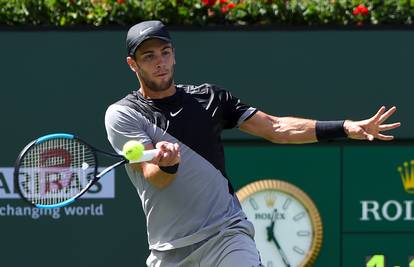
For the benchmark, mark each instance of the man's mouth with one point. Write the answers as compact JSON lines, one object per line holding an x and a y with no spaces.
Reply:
{"x":162,"y":74}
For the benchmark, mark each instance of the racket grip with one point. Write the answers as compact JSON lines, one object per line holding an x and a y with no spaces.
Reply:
{"x":147,"y":155}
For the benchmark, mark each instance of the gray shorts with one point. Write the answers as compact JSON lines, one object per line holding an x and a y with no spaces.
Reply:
{"x":233,"y":246}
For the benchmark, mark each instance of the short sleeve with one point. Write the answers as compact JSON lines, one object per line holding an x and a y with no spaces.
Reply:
{"x":234,"y":111}
{"x":122,"y":124}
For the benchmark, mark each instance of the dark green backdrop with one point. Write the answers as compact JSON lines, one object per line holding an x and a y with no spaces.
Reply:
{"x":62,"y":81}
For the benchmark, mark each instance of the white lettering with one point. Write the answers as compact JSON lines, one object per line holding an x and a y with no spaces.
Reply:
{"x":70,"y":210}
{"x":91,"y":210}
{"x":408,"y":210}
{"x":25,"y":211}
{"x":391,"y":210}
{"x":386,"y":210}
{"x":370,"y":206}
{"x":55,"y":213}
{"x":80,"y":211}
{"x":99,"y":210}
{"x":105,"y":188}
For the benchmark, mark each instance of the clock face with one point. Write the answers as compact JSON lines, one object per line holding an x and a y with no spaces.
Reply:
{"x":284,"y":229}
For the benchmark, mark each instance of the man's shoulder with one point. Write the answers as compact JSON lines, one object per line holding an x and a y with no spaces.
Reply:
{"x":134,"y":107}
{"x":122,"y":107}
{"x":202,"y":89}
{"x":129,"y":100}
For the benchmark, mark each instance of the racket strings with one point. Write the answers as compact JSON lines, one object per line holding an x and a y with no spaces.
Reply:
{"x":56,"y":170}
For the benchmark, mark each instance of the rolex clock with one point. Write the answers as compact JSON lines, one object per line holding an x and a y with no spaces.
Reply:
{"x":287,"y":223}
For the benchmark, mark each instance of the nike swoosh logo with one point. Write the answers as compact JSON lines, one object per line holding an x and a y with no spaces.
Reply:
{"x":145,"y":30}
{"x":176,"y":113}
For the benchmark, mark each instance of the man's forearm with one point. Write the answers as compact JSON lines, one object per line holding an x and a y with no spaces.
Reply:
{"x":291,"y":130}
{"x":153,"y":174}
{"x":156,"y":176}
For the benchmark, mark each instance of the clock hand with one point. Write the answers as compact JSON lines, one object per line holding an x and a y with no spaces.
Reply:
{"x":269,"y":229}
{"x":271,"y":237}
{"x":281,"y":252}
{"x":270,"y":233}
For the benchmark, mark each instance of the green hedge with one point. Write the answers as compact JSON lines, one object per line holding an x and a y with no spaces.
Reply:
{"x":206,"y":12}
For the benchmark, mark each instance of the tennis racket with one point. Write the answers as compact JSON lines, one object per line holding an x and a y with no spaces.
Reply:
{"x":55,"y":170}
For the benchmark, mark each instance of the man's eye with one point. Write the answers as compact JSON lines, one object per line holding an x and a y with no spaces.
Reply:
{"x":148,"y":57}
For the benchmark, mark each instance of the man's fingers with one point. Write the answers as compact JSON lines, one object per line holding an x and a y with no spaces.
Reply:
{"x":378,"y":114}
{"x":156,"y":159}
{"x":385,"y":137}
{"x":368,"y":136}
{"x":390,"y":126}
{"x":170,"y":155}
{"x":176,"y":147}
{"x":162,"y":145}
{"x":386,"y":115}
{"x":379,"y":136}
{"x":166,"y":146}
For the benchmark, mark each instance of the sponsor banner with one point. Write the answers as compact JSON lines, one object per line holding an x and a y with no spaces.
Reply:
{"x":104,"y":188}
{"x":378,"y":189}
{"x":75,"y":210}
{"x":397,"y":209}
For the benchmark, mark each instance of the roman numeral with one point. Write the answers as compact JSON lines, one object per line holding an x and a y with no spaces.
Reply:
{"x":253,"y":203}
{"x":298,"y":250}
{"x":287,"y":203}
{"x":299,"y":216}
{"x":303,"y":233}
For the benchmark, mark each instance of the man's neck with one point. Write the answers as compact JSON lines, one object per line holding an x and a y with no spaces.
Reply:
{"x":150,"y":94}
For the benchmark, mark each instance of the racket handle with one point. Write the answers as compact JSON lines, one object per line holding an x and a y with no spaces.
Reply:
{"x":147,"y":155}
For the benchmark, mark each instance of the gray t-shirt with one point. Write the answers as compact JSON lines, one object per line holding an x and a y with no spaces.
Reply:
{"x":200,"y":201}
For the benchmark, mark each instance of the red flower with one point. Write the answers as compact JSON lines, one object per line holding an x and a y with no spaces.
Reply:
{"x":120,"y":1}
{"x":361,"y":9}
{"x":231,"y":5}
{"x":226,"y":8}
{"x":223,"y":1}
{"x":364,"y":10}
{"x":208,"y":2}
{"x":356,"y":11}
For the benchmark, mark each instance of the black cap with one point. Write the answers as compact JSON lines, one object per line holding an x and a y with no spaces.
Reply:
{"x":143,"y":31}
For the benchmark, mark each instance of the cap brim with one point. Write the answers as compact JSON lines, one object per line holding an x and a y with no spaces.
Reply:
{"x":147,"y":38}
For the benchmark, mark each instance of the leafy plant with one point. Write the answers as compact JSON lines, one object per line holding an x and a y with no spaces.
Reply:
{"x":206,"y":12}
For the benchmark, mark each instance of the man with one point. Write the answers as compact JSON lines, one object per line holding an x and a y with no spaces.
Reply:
{"x":193,"y":217}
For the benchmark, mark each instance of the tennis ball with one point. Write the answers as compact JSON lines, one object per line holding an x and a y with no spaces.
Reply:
{"x":133,"y":150}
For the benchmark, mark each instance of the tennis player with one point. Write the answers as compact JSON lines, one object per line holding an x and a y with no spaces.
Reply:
{"x":193,"y":217}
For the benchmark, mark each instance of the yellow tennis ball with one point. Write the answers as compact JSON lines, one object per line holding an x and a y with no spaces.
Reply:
{"x":133,"y":150}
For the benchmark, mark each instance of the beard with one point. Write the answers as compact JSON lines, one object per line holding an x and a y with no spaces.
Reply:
{"x":156,"y":86}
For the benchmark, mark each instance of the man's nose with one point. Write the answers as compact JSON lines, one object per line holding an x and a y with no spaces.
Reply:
{"x":161,"y":61}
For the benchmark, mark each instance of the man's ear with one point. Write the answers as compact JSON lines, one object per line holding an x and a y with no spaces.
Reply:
{"x":132,"y":64}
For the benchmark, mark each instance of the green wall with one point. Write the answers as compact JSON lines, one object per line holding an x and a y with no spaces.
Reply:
{"x":318,"y":74}
{"x":62,"y":81}
{"x":338,"y":178}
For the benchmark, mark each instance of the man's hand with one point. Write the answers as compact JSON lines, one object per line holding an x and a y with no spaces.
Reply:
{"x":168,"y":155}
{"x":371,"y":128}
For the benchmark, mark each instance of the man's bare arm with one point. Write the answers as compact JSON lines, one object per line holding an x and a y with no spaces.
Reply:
{"x":290,"y":130}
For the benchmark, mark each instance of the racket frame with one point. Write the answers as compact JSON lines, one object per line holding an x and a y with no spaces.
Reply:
{"x":95,"y":178}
